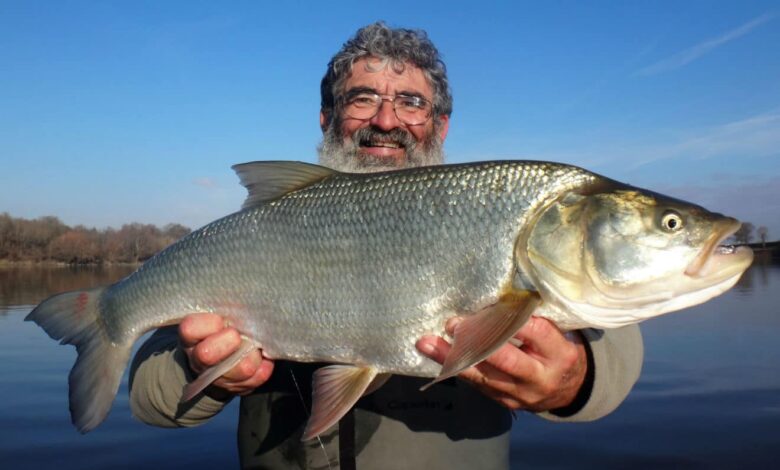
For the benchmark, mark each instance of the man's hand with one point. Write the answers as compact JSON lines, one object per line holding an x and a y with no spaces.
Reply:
{"x":207,"y":341}
{"x":545,"y":373}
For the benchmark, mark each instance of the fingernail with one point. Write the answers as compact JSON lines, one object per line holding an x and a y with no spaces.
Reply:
{"x":451,"y":324}
{"x":427,"y":348}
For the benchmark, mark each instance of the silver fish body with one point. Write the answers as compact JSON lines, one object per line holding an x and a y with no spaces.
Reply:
{"x":351,"y":270}
{"x":354,"y":268}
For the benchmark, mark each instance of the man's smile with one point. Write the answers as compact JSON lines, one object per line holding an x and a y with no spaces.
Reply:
{"x":375,"y":143}
{"x":381,"y":143}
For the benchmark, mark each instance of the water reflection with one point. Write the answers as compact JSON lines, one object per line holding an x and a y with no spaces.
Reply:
{"x":34,"y":417}
{"x":758,"y":273}
{"x":709,"y":395}
{"x":30,"y":285}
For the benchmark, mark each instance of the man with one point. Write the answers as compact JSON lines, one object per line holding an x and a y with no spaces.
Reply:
{"x":386,"y":104}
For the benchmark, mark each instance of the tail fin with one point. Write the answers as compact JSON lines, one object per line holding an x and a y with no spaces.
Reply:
{"x":74,"y":318}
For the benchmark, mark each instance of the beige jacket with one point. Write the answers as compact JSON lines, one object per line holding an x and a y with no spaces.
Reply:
{"x":449,"y":426}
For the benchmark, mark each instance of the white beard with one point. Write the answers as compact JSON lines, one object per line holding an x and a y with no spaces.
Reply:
{"x":345,"y":155}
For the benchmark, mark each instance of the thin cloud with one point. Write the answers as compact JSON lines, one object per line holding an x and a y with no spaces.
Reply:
{"x":205,"y":182}
{"x":687,"y":56}
{"x":756,"y":136}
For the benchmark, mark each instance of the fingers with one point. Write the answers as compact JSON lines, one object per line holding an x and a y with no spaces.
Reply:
{"x":508,"y":376}
{"x":499,"y":370}
{"x":542,"y":339}
{"x":207,"y":341}
{"x":435,"y":347}
{"x":490,"y":382}
{"x":247,"y":375}
{"x":245,"y":369}
{"x":545,"y":373}
{"x":213,"y":349}
{"x":514,"y":362}
{"x":196,"y":327}
{"x":509,"y":359}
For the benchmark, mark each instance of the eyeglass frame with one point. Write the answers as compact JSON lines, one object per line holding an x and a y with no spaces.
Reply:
{"x":343,"y":101}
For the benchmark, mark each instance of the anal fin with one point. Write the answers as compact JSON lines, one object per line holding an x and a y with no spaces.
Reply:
{"x":335,"y":389}
{"x":479,"y":335}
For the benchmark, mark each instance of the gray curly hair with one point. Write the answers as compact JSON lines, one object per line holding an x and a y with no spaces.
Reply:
{"x":395,"y":47}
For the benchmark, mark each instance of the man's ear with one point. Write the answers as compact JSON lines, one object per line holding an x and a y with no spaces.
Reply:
{"x":443,"y":126}
{"x":324,"y":120}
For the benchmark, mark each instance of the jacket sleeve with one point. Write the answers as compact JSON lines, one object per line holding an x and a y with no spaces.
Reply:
{"x":158,"y":375}
{"x":615,"y":359}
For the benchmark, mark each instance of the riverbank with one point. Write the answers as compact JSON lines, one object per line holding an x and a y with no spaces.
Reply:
{"x":4,"y":264}
{"x":769,"y":251}
{"x":762,"y":251}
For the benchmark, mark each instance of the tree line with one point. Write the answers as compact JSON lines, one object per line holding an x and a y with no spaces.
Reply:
{"x":49,"y":239}
{"x":745,"y":234}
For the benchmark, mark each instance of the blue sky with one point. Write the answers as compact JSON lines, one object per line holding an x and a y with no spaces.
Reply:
{"x":112,"y":112}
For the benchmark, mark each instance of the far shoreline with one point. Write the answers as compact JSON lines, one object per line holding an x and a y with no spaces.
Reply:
{"x":4,"y":264}
{"x":762,"y":250}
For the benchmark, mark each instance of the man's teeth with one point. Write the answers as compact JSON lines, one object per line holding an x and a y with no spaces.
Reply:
{"x":392,"y":145}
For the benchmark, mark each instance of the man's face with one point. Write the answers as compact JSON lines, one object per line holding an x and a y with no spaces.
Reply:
{"x":383,"y":141}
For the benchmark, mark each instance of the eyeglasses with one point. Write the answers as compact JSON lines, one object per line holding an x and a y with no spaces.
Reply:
{"x":411,"y":110}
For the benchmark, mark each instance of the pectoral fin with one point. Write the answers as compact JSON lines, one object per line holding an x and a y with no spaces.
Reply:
{"x":480,"y":335}
{"x":335,"y":389}
{"x":213,"y":373}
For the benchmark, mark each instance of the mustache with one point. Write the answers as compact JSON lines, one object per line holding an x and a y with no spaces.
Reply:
{"x":372,"y":135}
{"x":342,"y":152}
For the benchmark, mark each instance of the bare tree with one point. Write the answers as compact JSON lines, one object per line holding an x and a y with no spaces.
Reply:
{"x":74,"y":246}
{"x":139,"y":241}
{"x":763,"y":233}
{"x":47,"y":238}
{"x":744,"y":234}
{"x":173,"y":232}
{"x":6,"y":230}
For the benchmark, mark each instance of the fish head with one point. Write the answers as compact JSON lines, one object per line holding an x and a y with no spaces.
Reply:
{"x":623,"y":255}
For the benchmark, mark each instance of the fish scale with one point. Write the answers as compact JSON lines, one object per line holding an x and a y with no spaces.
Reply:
{"x":353,"y":269}
{"x":304,"y":287}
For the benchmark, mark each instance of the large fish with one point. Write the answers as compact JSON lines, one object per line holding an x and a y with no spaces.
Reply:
{"x":352,"y":269}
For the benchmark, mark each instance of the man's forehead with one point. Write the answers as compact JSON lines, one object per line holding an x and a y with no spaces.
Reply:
{"x":385,"y":76}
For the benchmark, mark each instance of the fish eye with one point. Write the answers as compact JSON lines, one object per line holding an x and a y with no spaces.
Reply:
{"x":671,"y":221}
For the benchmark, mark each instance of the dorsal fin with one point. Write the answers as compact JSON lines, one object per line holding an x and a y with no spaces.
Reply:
{"x":270,"y":180}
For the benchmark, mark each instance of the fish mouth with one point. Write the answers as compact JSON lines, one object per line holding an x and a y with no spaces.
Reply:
{"x":719,"y":260}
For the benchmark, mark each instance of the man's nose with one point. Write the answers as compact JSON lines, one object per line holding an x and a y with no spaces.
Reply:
{"x":385,"y":118}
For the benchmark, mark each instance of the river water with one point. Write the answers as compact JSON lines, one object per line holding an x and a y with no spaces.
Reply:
{"x":708,"y":396}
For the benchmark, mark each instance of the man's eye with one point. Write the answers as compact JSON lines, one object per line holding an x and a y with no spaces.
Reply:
{"x":363,"y":100}
{"x":410,"y":102}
